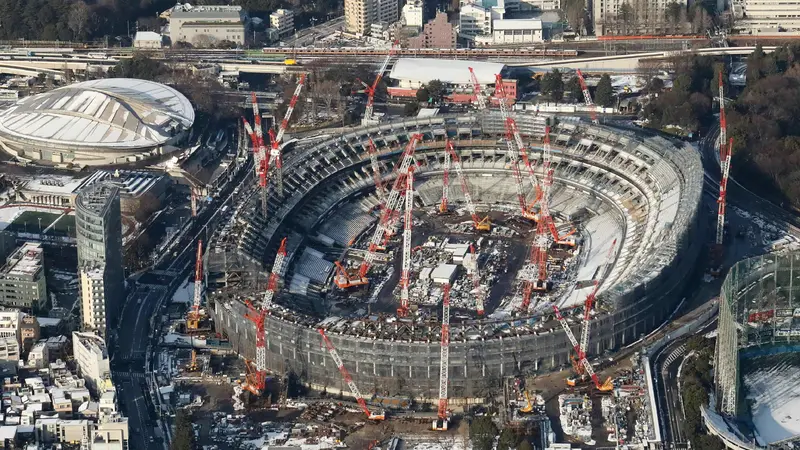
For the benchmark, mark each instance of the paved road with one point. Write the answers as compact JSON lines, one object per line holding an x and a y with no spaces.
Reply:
{"x":307,"y":36}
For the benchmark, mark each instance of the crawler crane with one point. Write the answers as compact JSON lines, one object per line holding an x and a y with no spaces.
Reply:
{"x":444,"y":364}
{"x":605,"y":386}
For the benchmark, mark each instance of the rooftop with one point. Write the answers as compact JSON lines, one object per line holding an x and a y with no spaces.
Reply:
{"x":218,"y":12}
{"x":517,"y":24}
{"x":95,"y":198}
{"x":26,"y":261}
{"x":92,"y":342}
{"x":120,"y":113}
{"x":424,"y":70}
{"x":147,"y":36}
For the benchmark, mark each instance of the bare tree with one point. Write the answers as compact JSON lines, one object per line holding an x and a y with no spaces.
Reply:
{"x":78,"y":19}
{"x":203,"y":41}
{"x":328,"y":92}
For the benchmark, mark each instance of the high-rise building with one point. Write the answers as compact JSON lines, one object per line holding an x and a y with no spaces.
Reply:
{"x":22,"y":278}
{"x":359,"y":15}
{"x":91,"y":356}
{"x":764,"y":16}
{"x":282,"y":20}
{"x":438,"y":33}
{"x":99,"y":230}
{"x":634,"y":17}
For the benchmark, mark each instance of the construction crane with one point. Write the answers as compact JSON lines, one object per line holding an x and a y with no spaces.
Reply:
{"x":377,"y":415}
{"x":723,"y":193}
{"x":444,"y":363}
{"x":723,"y":120}
{"x":194,"y":201}
{"x":405,"y":277}
{"x":543,"y":195}
{"x":376,"y":170}
{"x":515,"y":146}
{"x":445,"y":180}
{"x":477,"y":87}
{"x":451,"y":157}
{"x":369,"y":113}
{"x":275,"y":161}
{"x":259,"y":152}
{"x":193,"y":320}
{"x":587,"y":97}
{"x":476,"y":283}
{"x":257,"y":376}
{"x":390,"y":206}
{"x":608,"y":384}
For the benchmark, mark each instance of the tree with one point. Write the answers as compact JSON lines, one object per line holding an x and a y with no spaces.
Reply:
{"x":482,"y":432}
{"x":508,"y":439}
{"x":575,"y":13}
{"x":553,"y":85}
{"x":327,"y":91}
{"x":674,"y":12}
{"x":79,"y":18}
{"x":411,"y":109}
{"x":573,"y":86}
{"x":436,"y":90}
{"x":656,"y":85}
{"x":524,"y":445}
{"x":423,"y":95}
{"x":627,"y":16}
{"x":604,"y":95}
{"x":139,"y":66}
{"x":183,"y":438}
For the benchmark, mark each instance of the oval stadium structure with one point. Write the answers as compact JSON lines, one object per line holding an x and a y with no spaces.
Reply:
{"x":642,"y":192}
{"x":99,"y":122}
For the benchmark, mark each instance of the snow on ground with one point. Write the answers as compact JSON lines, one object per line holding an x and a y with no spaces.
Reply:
{"x":185,"y":294}
{"x":455,"y":443}
{"x":775,"y":392}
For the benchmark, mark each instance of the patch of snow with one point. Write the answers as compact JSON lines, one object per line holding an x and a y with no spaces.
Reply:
{"x":775,"y":393}
{"x":184,"y":294}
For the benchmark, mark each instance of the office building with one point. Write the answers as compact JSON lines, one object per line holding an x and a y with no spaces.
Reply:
{"x":203,"y":26}
{"x":765,"y":16}
{"x":514,"y":31}
{"x":646,"y":17}
{"x":413,"y":12}
{"x":282,"y":20}
{"x":359,"y":15}
{"x":91,"y":357}
{"x":474,"y":19}
{"x":99,"y":230}
{"x":438,"y":33}
{"x":22,"y":278}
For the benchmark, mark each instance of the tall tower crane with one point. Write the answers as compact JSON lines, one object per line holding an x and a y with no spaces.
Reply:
{"x":723,"y":120}
{"x":607,"y":385}
{"x":451,"y":157}
{"x":377,"y":415}
{"x":193,"y":321}
{"x":476,"y":283}
{"x":376,"y":170}
{"x":405,"y":278}
{"x":723,"y":195}
{"x":369,"y":113}
{"x":445,"y":180}
{"x":587,"y":97}
{"x":275,"y":161}
{"x":588,"y":304}
{"x":444,"y":363}
{"x":513,"y":139}
{"x":477,"y":87}
{"x":257,"y":377}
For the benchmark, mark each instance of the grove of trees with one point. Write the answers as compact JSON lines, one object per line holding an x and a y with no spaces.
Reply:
{"x":688,"y":104}
{"x":183,"y":438}
{"x":697,"y":382}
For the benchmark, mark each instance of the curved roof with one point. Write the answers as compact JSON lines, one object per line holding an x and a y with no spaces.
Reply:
{"x":114,"y":112}
{"x":449,"y":71}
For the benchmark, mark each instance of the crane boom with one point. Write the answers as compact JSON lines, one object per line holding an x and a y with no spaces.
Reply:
{"x":587,"y":97}
{"x":587,"y":366}
{"x":723,"y":193}
{"x":275,"y":158}
{"x":376,"y":170}
{"x":477,"y":87}
{"x":723,"y":120}
{"x":405,"y":278}
{"x":452,"y":156}
{"x":476,"y":283}
{"x":370,"y":90}
{"x":445,"y":179}
{"x":193,"y":321}
{"x":347,"y":378}
{"x":444,"y":358}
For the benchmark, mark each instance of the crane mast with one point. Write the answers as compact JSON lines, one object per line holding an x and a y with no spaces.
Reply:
{"x":348,"y":379}
{"x":587,"y":366}
{"x":256,"y":380}
{"x":476,"y":283}
{"x":587,"y":97}
{"x":445,"y":179}
{"x":444,"y":359}
{"x":452,"y":157}
{"x":275,"y":157}
{"x":477,"y":87}
{"x":723,"y":120}
{"x":376,"y":170}
{"x":369,"y":113}
{"x":405,"y":278}
{"x":723,"y":193}
{"x":193,"y":321}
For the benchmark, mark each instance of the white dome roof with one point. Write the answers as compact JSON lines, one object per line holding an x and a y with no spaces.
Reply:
{"x":117,"y":113}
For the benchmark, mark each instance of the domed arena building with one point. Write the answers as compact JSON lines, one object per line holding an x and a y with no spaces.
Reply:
{"x":100,"y":122}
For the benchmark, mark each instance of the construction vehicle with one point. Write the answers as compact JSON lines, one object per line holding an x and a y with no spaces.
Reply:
{"x":606,"y":386}
{"x":192,"y":367}
{"x":528,"y":408}
{"x":443,"y":416}
{"x":377,"y":415}
{"x":344,"y":280}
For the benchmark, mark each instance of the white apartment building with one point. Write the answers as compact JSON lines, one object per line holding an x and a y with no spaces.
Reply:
{"x":91,"y":357}
{"x":649,"y":16}
{"x":474,"y":20}
{"x":412,"y":14}
{"x":10,"y":335}
{"x":93,"y":298}
{"x":513,"y":31}
{"x":282,"y":21}
{"x":766,"y":16}
{"x":540,"y":5}
{"x":359,"y":15}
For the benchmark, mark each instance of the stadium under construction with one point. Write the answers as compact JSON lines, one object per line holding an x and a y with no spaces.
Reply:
{"x":612,"y":187}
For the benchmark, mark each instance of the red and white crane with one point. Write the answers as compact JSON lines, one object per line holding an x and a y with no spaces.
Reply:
{"x":445,"y":180}
{"x":513,"y":139}
{"x":476,"y":86}
{"x":723,"y":120}
{"x":451,"y":157}
{"x":607,"y":386}
{"x":275,"y":159}
{"x":257,"y":378}
{"x":193,"y":321}
{"x":476,"y":282}
{"x":444,"y":362}
{"x":587,"y":97}
{"x":723,"y":194}
{"x":405,"y":277}
{"x":390,"y":206}
{"x":369,"y":113}
{"x":378,"y":415}
{"x":376,"y":170}
{"x":588,"y":304}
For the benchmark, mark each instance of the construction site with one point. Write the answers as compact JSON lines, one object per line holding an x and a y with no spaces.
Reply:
{"x":443,"y":260}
